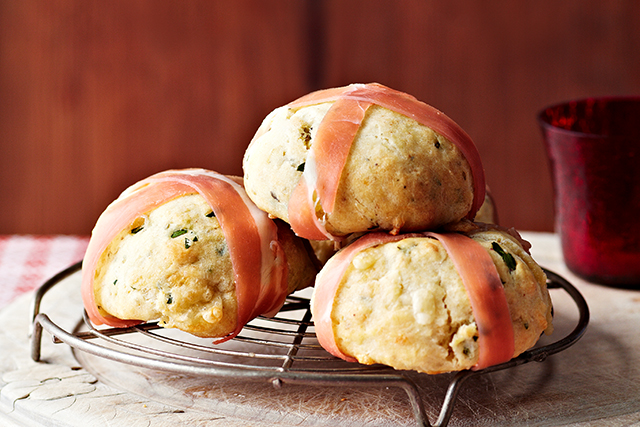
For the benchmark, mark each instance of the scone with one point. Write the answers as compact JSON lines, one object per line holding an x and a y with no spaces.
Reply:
{"x":360,"y":158}
{"x":432,"y":302}
{"x":189,"y":249}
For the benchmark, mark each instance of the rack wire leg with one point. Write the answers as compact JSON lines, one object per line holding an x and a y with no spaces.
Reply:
{"x":416,"y":403}
{"x":36,"y":340}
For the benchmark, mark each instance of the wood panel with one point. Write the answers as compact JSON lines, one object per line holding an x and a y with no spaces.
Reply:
{"x":491,"y":66}
{"x":95,"y":95}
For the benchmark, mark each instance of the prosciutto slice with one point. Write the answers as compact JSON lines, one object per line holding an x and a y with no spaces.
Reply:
{"x":488,"y":301}
{"x":334,"y":139}
{"x":258,"y":260}
{"x":320,"y":185}
{"x":479,"y":276}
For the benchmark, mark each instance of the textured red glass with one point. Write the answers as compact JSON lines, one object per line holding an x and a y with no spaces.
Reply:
{"x":593,"y":147}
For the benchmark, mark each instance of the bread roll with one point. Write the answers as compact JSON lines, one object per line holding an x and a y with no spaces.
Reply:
{"x":196,"y":256}
{"x":362,"y":158}
{"x":402,"y":301}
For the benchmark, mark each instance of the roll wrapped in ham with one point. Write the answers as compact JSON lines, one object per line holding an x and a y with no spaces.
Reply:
{"x":363,"y":157}
{"x":188,"y":248}
{"x":431,"y":302}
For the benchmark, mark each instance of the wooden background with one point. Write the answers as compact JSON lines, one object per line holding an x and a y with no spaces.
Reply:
{"x":96,"y":95}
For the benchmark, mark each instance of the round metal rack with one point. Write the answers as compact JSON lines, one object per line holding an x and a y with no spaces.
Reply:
{"x":280,"y":350}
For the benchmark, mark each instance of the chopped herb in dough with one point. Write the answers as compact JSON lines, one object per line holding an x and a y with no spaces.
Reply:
{"x":136,"y":230}
{"x":508,"y":259}
{"x":178,"y":233}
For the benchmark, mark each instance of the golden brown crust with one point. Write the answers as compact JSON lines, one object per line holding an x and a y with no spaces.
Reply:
{"x":488,"y":212}
{"x":302,"y":265}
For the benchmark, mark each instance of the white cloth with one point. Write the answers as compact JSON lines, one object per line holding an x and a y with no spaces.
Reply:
{"x":26,"y":262}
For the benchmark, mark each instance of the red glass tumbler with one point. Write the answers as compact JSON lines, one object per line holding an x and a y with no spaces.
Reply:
{"x":593,"y":147}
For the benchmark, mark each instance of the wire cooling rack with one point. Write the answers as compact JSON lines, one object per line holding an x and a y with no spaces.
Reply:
{"x":280,"y":350}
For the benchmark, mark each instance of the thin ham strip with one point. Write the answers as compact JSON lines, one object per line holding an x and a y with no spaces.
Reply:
{"x":258,"y":261}
{"x":489,"y":304}
{"x":353,"y":101}
{"x":331,"y":146}
{"x":330,"y":149}
{"x":478,"y":274}
{"x":302,"y":213}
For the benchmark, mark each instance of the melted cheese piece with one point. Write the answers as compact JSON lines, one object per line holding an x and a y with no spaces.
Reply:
{"x":335,"y":137}
{"x":478,"y":274}
{"x":258,"y":260}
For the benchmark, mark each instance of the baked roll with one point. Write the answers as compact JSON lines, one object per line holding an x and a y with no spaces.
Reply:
{"x":360,"y":158}
{"x":432,"y":302}
{"x":189,"y":249}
